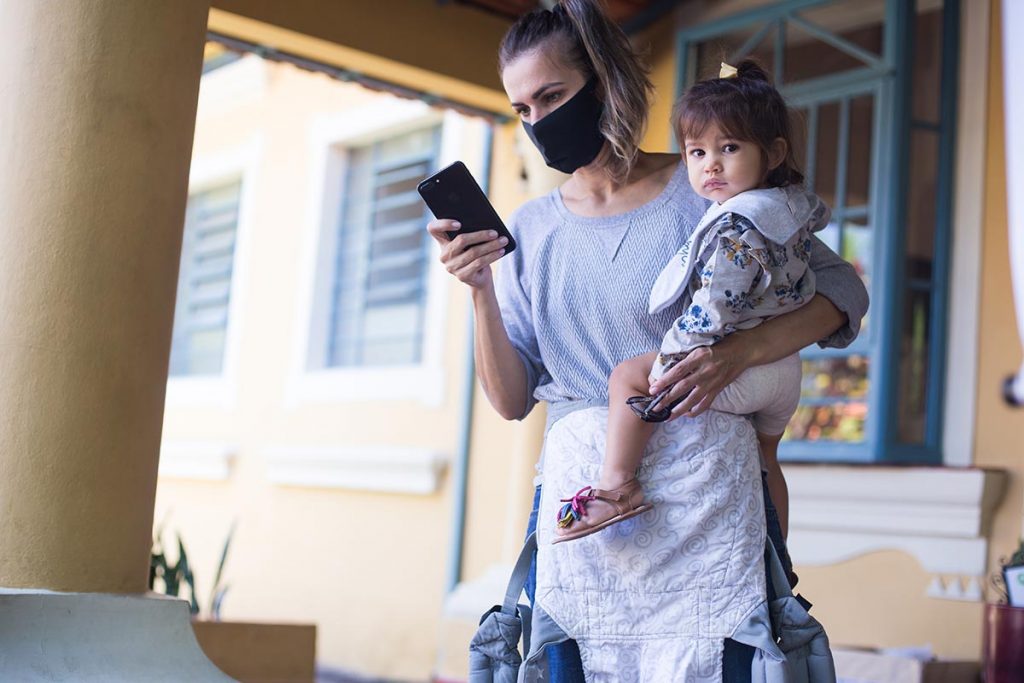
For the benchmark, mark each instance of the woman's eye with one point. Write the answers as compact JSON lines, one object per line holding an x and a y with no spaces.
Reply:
{"x":552,"y":97}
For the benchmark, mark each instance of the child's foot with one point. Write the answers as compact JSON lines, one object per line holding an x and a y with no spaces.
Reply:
{"x":593,"y":509}
{"x":650,"y":408}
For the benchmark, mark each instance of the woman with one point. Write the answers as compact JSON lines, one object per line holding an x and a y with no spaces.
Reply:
{"x":570,"y":303}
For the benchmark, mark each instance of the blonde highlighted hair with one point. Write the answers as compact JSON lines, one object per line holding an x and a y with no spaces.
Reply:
{"x":595,"y":45}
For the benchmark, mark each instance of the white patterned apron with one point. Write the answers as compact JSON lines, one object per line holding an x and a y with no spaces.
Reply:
{"x":651,"y":599}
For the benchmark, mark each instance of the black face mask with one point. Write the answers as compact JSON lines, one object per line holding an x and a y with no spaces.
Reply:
{"x":570,"y":137}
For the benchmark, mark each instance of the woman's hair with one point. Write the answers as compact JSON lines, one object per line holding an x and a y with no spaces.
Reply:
{"x":581,"y":32}
{"x":746,"y":107}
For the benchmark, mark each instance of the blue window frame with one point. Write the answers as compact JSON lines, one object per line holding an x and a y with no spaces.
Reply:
{"x":378,"y":299}
{"x":874,"y":82}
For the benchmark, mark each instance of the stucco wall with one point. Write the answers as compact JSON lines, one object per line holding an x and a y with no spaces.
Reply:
{"x":998,"y":427}
{"x":367,"y":567}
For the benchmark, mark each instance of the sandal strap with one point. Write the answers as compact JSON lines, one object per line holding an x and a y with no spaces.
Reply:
{"x":614,"y":498}
{"x":576,"y":505}
{"x":620,"y":497}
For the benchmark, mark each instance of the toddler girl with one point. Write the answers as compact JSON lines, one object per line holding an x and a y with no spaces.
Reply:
{"x":745,"y":262}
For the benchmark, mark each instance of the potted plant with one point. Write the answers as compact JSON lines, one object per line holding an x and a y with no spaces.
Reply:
{"x":248,"y":652}
{"x":173,"y":578}
{"x":1004,"y":623}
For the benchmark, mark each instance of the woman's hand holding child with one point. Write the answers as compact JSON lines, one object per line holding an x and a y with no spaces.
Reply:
{"x":703,"y":374}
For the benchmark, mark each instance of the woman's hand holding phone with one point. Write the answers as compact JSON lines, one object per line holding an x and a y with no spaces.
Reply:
{"x":469,"y":256}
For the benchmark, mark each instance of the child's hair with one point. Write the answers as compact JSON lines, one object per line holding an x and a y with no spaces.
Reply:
{"x":746,"y":107}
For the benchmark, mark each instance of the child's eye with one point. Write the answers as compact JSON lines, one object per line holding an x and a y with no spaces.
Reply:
{"x":696,"y":153}
{"x":731,"y":147}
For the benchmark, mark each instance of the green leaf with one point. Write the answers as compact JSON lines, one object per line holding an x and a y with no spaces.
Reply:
{"x":216,"y":594}
{"x":187,"y":577}
{"x":1017,"y":559}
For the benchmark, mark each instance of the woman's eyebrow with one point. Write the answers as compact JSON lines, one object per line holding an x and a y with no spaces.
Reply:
{"x":538,"y":92}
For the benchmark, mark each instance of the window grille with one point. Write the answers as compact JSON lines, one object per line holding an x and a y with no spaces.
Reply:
{"x":204,"y":281}
{"x":378,"y":299}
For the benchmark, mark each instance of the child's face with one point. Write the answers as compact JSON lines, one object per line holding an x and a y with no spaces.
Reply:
{"x":721,"y":167}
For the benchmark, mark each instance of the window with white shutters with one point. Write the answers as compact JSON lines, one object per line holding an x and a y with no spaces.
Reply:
{"x":204,"y":281}
{"x":379,"y":289}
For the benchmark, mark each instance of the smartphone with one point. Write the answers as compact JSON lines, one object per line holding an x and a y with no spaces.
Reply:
{"x":453,"y":194}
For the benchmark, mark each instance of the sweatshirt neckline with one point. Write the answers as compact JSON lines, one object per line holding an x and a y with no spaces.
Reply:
{"x":671,"y":187}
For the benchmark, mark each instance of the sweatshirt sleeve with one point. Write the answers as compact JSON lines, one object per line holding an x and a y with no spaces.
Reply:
{"x":837,"y":281}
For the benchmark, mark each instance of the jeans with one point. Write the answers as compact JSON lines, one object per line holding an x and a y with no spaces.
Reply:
{"x":564,"y":660}
{"x":775,"y":536}
{"x":564,"y":663}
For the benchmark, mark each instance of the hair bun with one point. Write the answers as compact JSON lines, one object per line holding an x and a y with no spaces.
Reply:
{"x":751,"y":70}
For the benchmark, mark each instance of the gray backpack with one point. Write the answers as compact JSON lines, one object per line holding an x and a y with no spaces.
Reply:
{"x":800,"y":653}
{"x":494,"y":655}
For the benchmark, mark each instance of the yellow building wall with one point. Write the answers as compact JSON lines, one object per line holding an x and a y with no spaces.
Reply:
{"x":657,"y":44}
{"x":999,"y":428}
{"x":369,"y":568}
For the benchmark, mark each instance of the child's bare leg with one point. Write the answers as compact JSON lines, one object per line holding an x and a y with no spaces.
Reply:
{"x":777,"y":488}
{"x":627,"y":433}
{"x":622,"y":496}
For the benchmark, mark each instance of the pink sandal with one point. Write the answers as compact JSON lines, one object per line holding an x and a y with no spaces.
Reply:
{"x":574,"y":522}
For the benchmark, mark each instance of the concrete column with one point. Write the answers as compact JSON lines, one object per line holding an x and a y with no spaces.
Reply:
{"x":96,"y":122}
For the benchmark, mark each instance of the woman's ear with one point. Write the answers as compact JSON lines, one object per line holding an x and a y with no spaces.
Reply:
{"x":777,"y":153}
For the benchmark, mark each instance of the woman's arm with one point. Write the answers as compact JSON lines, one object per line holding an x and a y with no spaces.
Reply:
{"x":507,"y":379}
{"x":837,"y":280}
{"x":499,"y":366}
{"x":831,"y":318}
{"x":709,"y":369}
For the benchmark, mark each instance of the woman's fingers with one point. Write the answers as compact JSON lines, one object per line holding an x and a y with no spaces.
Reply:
{"x":439,"y":229}
{"x":464,"y":252}
{"x":458,"y":246}
{"x":473,"y":268}
{"x":698,"y":391}
{"x":681,"y":370}
{"x":470,"y":252}
{"x":682,"y":391}
{"x":699,"y":400}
